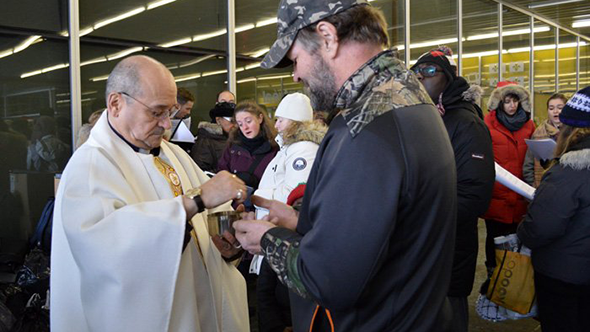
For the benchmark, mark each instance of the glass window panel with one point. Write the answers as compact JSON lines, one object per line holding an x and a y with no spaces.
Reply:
{"x":34,"y":110}
{"x":394,"y":14}
{"x":516,"y":39}
{"x":480,"y":45}
{"x":48,"y":16}
{"x":544,"y":70}
{"x":567,"y":63}
{"x":433,"y":23}
{"x":188,"y":36}
{"x":584,"y":65}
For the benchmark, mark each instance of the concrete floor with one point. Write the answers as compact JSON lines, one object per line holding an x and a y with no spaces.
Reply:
{"x":476,"y":324}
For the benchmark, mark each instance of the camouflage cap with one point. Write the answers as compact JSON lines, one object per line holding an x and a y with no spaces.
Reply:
{"x":294,"y":15}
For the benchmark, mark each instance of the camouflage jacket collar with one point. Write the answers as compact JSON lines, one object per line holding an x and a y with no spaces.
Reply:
{"x":382,"y":84}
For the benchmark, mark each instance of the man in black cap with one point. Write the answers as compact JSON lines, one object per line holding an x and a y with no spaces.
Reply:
{"x":474,"y":159}
{"x":371,"y":249}
{"x":212,"y":136}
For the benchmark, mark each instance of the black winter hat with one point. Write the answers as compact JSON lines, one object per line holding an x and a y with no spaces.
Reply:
{"x":224,"y":110}
{"x":576,"y":112}
{"x":442,"y":56}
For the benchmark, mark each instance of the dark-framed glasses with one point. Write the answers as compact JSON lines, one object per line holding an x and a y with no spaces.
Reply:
{"x":158,"y":114}
{"x":426,"y":71}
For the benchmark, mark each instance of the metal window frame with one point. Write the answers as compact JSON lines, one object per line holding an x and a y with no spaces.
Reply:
{"x":500,"y":42}
{"x":460,"y":37}
{"x":75,"y":71}
{"x":231,"y":47}
{"x":407,"y":35}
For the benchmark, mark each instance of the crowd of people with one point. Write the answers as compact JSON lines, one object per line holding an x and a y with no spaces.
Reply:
{"x":362,"y":219}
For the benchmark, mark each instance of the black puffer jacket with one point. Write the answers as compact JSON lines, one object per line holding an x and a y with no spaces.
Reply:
{"x":557,"y":225}
{"x":209,"y":146}
{"x":474,"y":160}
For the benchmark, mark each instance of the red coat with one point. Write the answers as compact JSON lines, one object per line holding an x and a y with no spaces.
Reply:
{"x":509,"y":152}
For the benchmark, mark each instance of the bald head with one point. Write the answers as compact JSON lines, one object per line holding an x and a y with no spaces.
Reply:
{"x":140,"y":94}
{"x":132,"y":73}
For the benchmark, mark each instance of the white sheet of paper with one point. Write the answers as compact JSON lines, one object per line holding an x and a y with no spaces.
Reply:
{"x":513,"y":183}
{"x":183,"y":134}
{"x":541,"y":148}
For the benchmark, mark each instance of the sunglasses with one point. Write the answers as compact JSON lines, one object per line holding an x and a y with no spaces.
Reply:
{"x":426,"y":71}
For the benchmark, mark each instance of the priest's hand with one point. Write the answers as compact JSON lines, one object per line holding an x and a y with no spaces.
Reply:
{"x":279,"y":213}
{"x":250,"y":232}
{"x":221,"y":188}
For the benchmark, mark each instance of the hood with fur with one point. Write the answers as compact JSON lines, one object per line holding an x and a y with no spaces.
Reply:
{"x":211,"y":128}
{"x":579,"y":160}
{"x":311,"y":131}
{"x":473,"y":94}
{"x":499,"y":93}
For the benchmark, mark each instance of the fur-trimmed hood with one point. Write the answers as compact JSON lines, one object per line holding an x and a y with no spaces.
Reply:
{"x":499,"y":93}
{"x":311,"y":131}
{"x":579,"y":160}
{"x":473,"y":94}
{"x":211,"y":128}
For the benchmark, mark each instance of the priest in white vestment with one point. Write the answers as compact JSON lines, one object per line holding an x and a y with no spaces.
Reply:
{"x":130,"y":248}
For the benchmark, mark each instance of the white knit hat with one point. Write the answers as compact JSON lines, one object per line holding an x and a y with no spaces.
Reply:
{"x":295,"y":106}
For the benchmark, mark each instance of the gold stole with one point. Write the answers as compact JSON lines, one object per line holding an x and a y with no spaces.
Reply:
{"x":174,"y":181}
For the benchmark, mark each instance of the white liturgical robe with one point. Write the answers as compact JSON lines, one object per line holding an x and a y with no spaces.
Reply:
{"x":117,"y":261}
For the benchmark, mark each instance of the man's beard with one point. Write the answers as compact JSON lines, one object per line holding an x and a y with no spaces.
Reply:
{"x":321,"y":86}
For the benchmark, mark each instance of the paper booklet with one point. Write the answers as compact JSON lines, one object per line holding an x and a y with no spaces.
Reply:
{"x":513,"y":183}
{"x":183,"y":134}
{"x":541,"y":148}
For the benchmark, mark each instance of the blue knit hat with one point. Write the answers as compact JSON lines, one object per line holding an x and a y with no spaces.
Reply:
{"x":576,"y":112}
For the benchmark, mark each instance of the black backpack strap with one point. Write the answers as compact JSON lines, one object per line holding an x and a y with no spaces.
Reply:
{"x":257,"y":160}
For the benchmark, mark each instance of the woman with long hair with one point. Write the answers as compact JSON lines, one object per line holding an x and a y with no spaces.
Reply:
{"x":251,"y":144}
{"x":557,"y":225}
{"x":534,"y":168}
{"x":299,"y":138}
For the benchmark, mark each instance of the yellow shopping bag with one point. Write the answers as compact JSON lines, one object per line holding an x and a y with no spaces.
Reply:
{"x":512,"y":284}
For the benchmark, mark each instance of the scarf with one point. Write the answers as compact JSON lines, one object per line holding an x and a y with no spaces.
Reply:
{"x":251,"y":144}
{"x":514,"y":122}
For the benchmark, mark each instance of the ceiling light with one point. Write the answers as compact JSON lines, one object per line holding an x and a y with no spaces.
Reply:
{"x":266,"y":22}
{"x":508,"y":33}
{"x":187,"y":77}
{"x":209,"y":35}
{"x":85,"y":31}
{"x":33,"y":73}
{"x":194,"y":62}
{"x":216,"y":72}
{"x":245,"y":80}
{"x":259,"y":52}
{"x":551,"y":3}
{"x":99,"y":78}
{"x":252,"y":66}
{"x":581,"y":24}
{"x":25,"y":44}
{"x":6,"y":53}
{"x":177,"y":42}
{"x":93,"y":61}
{"x":124,"y":53}
{"x":158,"y":4}
{"x":244,"y":28}
{"x":119,"y":17}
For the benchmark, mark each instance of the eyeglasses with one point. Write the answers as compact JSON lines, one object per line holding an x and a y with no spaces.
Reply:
{"x":155,"y":113}
{"x":426,"y":71}
{"x":228,"y":103}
